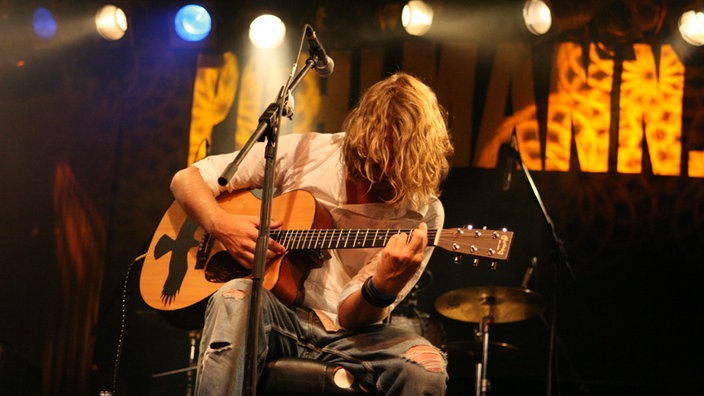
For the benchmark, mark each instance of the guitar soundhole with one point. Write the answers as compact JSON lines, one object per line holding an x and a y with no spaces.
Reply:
{"x":222,"y":268}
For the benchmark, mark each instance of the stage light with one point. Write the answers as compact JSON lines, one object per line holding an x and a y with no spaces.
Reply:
{"x":417,"y":17}
{"x":192,"y":23}
{"x":691,"y":27}
{"x":267,"y":31}
{"x":537,"y":17}
{"x":44,"y":23}
{"x":111,"y":22}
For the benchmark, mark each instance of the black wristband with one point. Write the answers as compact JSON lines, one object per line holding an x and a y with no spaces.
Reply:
{"x":374,"y":297}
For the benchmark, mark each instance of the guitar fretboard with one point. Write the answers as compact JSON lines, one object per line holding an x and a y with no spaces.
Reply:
{"x":338,"y":238}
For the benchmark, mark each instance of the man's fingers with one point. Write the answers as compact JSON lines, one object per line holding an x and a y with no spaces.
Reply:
{"x":272,"y":224}
{"x":245,"y":259}
{"x":275,"y":248}
{"x":418,"y":237}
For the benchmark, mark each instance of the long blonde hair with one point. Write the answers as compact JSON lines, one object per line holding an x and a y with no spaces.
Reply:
{"x":397,"y":137}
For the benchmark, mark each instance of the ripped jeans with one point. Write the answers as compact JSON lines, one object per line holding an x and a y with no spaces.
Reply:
{"x":387,"y":360}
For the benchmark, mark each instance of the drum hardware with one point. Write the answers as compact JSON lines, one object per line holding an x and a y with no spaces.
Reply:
{"x":503,"y":304}
{"x":194,"y":337}
{"x":422,"y":324}
{"x":407,"y":307}
{"x":487,"y":305}
{"x":472,"y":349}
{"x":407,"y":315}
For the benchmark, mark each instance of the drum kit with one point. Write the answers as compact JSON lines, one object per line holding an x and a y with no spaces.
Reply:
{"x":487,"y":305}
{"x":484,"y":305}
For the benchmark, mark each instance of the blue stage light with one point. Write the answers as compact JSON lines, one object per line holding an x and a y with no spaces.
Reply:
{"x":44,"y":23}
{"x":192,"y":23}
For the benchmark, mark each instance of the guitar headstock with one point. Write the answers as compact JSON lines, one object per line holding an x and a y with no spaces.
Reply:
{"x":477,"y":242}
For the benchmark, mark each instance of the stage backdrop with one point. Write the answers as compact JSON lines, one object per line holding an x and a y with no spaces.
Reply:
{"x":614,"y":156}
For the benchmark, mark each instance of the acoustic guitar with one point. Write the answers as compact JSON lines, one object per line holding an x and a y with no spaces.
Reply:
{"x":184,"y":265}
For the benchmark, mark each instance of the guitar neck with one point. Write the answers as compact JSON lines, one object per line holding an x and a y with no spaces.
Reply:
{"x":338,"y":238}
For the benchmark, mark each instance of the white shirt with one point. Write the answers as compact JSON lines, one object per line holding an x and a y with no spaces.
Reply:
{"x":313,"y":162}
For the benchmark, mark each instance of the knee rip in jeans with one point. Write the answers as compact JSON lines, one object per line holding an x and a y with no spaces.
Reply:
{"x":218,"y":345}
{"x":215,"y":348}
{"x":237,"y":294}
{"x":427,"y":356}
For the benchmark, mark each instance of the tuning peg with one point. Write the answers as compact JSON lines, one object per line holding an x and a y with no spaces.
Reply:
{"x":475,"y":262}
{"x":458,"y":259}
{"x":493,"y":265}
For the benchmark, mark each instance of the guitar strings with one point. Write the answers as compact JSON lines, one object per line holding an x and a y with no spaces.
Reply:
{"x":338,"y":238}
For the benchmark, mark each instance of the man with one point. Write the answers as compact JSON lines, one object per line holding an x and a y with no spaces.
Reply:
{"x":383,"y":172}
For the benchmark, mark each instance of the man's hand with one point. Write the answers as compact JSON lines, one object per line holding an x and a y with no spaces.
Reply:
{"x":400,"y":260}
{"x":239,"y":233}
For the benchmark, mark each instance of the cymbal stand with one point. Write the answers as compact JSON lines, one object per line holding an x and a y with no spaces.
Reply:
{"x":482,"y":383}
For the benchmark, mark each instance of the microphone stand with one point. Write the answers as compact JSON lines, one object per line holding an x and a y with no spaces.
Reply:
{"x":562,"y":252}
{"x":268,"y":128}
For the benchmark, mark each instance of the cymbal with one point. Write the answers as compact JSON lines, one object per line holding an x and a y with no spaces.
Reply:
{"x":473,"y":349}
{"x":498,"y":303}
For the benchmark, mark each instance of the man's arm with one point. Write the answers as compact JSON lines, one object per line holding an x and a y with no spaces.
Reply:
{"x":237,"y":233}
{"x":400,"y":260}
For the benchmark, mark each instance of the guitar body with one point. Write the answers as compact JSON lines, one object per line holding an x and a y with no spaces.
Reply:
{"x":183,"y":266}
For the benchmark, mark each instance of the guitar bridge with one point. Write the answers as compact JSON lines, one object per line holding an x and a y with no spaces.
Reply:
{"x":203,"y":251}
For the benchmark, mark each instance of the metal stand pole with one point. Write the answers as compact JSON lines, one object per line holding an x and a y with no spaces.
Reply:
{"x":194,"y":336}
{"x":482,"y":383}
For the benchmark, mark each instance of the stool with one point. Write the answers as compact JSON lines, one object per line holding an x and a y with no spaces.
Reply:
{"x":306,"y":377}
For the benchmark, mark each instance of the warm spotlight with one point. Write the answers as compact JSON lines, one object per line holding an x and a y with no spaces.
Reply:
{"x":691,"y":26}
{"x":417,"y":17}
{"x":267,"y":31}
{"x":111,"y":22}
{"x":192,"y":23}
{"x":537,"y":16}
{"x":44,"y":23}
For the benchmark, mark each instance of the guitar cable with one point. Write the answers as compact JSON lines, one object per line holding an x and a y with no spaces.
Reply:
{"x":123,"y":327}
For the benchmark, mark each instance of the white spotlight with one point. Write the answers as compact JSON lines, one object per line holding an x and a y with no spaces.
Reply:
{"x":267,"y":31}
{"x":691,"y":26}
{"x":417,"y":17}
{"x":537,"y":16}
{"x":111,"y":22}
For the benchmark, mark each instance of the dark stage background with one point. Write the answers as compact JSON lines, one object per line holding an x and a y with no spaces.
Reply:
{"x":91,"y":133}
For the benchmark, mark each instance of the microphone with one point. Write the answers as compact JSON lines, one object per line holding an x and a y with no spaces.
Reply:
{"x":323,"y":63}
{"x":510,"y":163}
